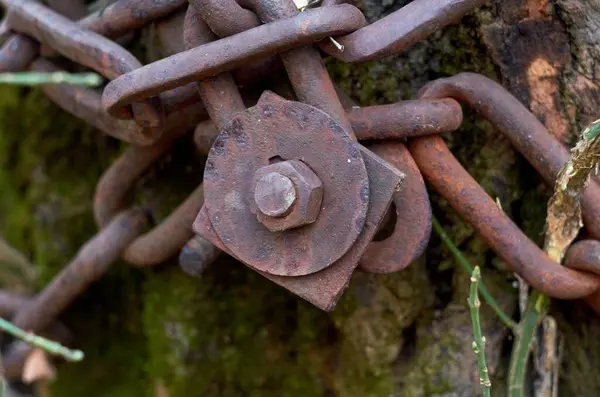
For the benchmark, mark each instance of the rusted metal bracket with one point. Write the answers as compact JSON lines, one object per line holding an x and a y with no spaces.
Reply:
{"x":357,"y":190}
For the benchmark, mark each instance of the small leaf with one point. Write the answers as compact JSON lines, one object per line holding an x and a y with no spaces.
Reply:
{"x":37,"y":367}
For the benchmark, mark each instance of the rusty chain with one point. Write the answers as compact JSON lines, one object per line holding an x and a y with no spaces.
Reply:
{"x":287,"y":189}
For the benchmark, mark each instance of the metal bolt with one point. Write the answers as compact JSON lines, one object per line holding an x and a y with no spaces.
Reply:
{"x":275,"y":194}
{"x":287,"y":195}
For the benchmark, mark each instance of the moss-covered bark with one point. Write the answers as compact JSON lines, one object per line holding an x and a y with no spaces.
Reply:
{"x":231,"y":332}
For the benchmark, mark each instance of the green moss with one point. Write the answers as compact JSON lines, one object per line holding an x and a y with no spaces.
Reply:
{"x":445,"y":53}
{"x":371,"y":318}
{"x":232,"y":332}
{"x":49,"y":166}
{"x":107,"y":324}
{"x":444,"y":360}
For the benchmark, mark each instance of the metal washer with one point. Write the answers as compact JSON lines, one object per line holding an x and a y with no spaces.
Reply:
{"x":280,"y":129}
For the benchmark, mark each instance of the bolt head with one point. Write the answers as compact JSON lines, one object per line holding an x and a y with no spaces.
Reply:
{"x":274,"y":194}
{"x":279,"y":206}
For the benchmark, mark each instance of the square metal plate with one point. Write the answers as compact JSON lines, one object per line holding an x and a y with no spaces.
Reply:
{"x":324,"y":288}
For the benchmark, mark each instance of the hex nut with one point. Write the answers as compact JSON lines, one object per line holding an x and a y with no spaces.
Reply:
{"x":275,"y":194}
{"x":309,"y":195}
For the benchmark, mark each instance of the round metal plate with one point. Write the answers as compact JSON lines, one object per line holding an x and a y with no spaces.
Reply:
{"x":279,"y":129}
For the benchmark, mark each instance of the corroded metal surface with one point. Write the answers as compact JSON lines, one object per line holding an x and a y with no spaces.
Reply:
{"x":117,"y":183}
{"x":229,"y":53}
{"x":304,"y":66}
{"x":585,"y":256}
{"x":412,"y":227}
{"x":166,"y":239}
{"x":225,"y":17}
{"x":219,"y":93}
{"x":324,"y":288}
{"x":90,"y":263}
{"x":72,"y":9}
{"x":252,"y":140}
{"x":85,"y":47}
{"x":399,"y":30}
{"x":204,"y":136}
{"x":521,"y":127}
{"x":542,"y":150}
{"x":292,"y":185}
{"x":12,"y":363}
{"x":182,"y":106}
{"x":406,"y":119}
{"x":469,"y":199}
{"x":196,"y":255}
{"x":17,"y":52}
{"x":117,"y":19}
{"x":11,"y":302}
{"x":275,"y":193}
{"x":124,"y":16}
{"x":222,"y":99}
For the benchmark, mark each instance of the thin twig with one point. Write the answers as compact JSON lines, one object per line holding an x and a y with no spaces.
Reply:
{"x":522,"y":346}
{"x":479,"y":342}
{"x":592,"y":131}
{"x":487,"y":297}
{"x":43,"y":343}
{"x":35,"y":78}
{"x":563,"y":223}
{"x":523,"y":294}
{"x":547,"y":359}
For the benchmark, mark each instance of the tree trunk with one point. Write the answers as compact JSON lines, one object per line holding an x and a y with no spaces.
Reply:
{"x":158,"y":332}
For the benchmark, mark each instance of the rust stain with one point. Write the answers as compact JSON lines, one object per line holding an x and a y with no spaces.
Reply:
{"x":539,"y":8}
{"x":160,"y":390}
{"x":542,"y":80}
